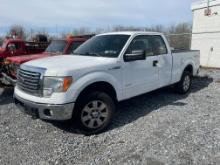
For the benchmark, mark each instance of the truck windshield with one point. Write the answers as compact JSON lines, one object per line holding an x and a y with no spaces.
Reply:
{"x":103,"y":46}
{"x":57,"y":46}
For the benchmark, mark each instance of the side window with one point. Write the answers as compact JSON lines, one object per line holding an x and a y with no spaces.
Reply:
{"x":141,"y":43}
{"x":74,"y":45}
{"x":159,"y":45}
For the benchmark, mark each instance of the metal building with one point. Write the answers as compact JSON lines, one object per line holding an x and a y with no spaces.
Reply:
{"x":206,"y":31}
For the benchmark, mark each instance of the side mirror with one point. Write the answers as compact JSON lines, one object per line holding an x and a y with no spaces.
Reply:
{"x":135,"y":56}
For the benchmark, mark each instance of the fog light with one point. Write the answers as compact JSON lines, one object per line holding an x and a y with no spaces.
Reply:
{"x":48,"y":92}
{"x":47,"y":112}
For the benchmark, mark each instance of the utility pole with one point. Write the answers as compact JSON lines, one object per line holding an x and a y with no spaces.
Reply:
{"x":208,"y":5}
{"x":208,"y":10}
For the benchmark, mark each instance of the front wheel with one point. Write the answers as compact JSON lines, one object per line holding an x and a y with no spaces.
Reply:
{"x":94,"y":112}
{"x":184,"y":85}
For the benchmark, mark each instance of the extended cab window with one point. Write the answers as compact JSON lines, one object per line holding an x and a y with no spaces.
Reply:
{"x":74,"y":45}
{"x":103,"y":46}
{"x":159,"y":45}
{"x":57,"y":46}
{"x":141,"y":43}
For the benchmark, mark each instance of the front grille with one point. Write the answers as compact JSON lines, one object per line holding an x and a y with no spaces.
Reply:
{"x":29,"y":81}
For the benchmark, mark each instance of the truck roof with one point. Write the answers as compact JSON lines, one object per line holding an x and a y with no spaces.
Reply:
{"x":132,"y":33}
{"x":70,"y":39}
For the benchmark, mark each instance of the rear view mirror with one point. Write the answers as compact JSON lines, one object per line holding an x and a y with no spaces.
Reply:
{"x":135,"y":56}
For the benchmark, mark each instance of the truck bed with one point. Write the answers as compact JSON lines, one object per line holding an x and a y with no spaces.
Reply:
{"x":184,"y":56}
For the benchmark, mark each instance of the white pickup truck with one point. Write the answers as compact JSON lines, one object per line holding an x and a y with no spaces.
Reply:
{"x":104,"y":70}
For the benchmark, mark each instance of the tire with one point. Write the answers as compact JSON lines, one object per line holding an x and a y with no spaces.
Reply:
{"x":184,"y":85}
{"x":94,"y":112}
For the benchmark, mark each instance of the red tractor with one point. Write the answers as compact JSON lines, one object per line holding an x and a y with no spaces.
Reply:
{"x":56,"y":47}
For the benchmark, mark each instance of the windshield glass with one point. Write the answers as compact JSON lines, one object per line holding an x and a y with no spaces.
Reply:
{"x":103,"y":46}
{"x":56,"y":46}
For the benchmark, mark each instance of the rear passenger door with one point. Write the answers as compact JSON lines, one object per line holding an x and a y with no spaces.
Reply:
{"x":140,"y":76}
{"x":164,"y":61}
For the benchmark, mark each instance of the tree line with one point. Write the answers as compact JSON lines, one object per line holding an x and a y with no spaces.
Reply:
{"x":178,"y":35}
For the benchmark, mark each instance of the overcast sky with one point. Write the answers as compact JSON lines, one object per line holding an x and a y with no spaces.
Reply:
{"x":93,"y":13}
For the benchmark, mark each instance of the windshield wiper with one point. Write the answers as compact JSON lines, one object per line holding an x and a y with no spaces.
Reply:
{"x":88,"y":54}
{"x":94,"y":54}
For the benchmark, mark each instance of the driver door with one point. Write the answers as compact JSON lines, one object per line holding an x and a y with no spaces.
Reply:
{"x":141,"y":76}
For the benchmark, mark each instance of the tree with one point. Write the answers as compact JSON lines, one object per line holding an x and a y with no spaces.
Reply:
{"x":126,"y":28}
{"x":18,"y":31}
{"x":81,"y":31}
{"x":1,"y":41}
{"x":179,"y":36}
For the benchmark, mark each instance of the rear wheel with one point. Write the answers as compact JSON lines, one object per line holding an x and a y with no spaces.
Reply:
{"x":94,"y":112}
{"x":185,"y":83}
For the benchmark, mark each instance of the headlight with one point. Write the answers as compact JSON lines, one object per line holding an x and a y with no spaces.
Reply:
{"x":56,"y":85}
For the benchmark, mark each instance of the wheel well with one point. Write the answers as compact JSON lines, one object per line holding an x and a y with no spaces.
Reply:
{"x":189,"y":68}
{"x":99,"y":86}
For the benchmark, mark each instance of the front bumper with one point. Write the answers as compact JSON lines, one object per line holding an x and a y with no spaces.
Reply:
{"x":45,"y":111}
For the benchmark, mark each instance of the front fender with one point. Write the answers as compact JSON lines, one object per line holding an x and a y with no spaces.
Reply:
{"x":90,"y":78}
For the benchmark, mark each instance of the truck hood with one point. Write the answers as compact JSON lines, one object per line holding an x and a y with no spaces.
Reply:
{"x":67,"y":64}
{"x":26,"y":58}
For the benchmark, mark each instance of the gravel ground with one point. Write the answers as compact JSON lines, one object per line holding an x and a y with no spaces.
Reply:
{"x":157,"y":128}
